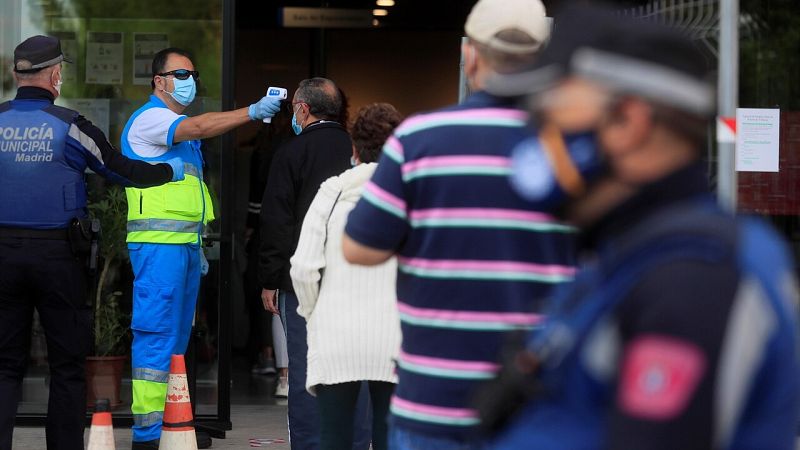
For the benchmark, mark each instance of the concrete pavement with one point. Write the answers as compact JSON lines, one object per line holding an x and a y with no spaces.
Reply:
{"x":249,"y":422}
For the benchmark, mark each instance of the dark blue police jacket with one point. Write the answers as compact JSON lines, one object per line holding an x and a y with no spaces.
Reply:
{"x":679,"y":335}
{"x":41,"y":187}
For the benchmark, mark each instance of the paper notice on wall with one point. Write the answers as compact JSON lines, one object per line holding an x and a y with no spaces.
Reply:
{"x":69,"y":46}
{"x":97,"y":110}
{"x":757,"y":139}
{"x":145,"y":46}
{"x":104,"y":55}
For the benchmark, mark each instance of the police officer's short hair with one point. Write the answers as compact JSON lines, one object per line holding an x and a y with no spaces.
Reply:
{"x":160,"y":61}
{"x":32,"y":75}
{"x":322,"y":97}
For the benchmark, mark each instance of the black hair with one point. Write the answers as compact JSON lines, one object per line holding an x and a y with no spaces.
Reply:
{"x":160,"y":60}
{"x":322,"y":97}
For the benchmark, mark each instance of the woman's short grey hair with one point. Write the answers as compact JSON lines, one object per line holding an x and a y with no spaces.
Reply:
{"x":321,"y":96}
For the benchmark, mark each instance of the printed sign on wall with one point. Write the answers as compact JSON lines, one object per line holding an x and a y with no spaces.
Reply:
{"x":69,"y":45}
{"x":104,"y":58}
{"x":145,"y":46}
{"x":757,"y":139}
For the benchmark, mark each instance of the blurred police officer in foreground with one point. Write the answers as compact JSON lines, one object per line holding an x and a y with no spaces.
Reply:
{"x":45,"y":237}
{"x":680,"y":332}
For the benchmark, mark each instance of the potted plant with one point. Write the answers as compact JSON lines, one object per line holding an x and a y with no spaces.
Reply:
{"x":111,"y":343}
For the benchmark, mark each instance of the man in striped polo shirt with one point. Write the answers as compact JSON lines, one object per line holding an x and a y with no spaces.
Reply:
{"x":475,"y":260}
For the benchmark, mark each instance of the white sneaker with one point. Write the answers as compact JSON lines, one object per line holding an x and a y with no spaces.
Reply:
{"x":282,"y":388}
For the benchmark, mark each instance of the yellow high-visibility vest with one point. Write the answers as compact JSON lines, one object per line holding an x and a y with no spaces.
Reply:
{"x":173,"y":213}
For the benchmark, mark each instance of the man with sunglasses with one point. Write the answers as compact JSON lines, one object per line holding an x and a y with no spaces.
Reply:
{"x":45,"y":151}
{"x":165,"y":226}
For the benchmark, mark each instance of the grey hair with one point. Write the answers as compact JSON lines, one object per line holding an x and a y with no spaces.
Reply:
{"x":30,"y":77}
{"x":321,"y":96}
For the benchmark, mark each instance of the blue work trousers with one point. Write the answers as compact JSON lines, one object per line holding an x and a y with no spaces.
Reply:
{"x":167,"y":280}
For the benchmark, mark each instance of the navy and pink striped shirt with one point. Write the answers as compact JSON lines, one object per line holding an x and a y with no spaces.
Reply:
{"x":475,"y":260}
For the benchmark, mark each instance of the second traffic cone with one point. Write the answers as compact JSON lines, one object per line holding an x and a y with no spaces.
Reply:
{"x":101,"y":435}
{"x":177,"y":431}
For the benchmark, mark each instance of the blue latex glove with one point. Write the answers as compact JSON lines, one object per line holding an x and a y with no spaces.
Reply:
{"x":203,"y":263}
{"x":177,"y":168}
{"x":266,"y":107}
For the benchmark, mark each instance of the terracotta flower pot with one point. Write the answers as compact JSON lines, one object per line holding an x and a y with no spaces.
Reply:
{"x":104,"y":379}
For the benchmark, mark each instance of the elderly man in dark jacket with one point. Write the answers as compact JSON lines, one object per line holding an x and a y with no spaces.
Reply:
{"x":321,"y":150}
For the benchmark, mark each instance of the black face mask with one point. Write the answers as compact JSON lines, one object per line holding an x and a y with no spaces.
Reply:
{"x":553,"y":168}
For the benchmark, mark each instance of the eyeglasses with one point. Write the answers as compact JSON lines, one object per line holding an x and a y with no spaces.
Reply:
{"x":182,"y":74}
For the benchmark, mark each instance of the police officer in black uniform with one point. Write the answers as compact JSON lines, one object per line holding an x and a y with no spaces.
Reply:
{"x":44,"y":152}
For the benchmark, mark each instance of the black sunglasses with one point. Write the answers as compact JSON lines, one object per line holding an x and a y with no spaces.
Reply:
{"x":182,"y":74}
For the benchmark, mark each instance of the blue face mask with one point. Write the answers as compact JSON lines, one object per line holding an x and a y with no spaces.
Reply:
{"x":185,"y":90}
{"x":295,"y":126}
{"x":536,"y":177}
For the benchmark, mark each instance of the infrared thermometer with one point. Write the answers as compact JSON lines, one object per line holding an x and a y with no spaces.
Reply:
{"x":275,"y":92}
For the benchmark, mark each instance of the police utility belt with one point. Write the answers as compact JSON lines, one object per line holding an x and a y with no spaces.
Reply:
{"x":82,"y":235}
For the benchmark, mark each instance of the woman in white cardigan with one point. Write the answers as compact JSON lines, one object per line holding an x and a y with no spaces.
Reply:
{"x":350,"y":311}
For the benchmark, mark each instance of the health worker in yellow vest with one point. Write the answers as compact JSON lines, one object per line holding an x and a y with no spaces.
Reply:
{"x":165,"y":225}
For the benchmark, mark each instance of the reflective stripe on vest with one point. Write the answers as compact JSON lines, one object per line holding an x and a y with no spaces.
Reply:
{"x":180,"y":226}
{"x":164,"y":231}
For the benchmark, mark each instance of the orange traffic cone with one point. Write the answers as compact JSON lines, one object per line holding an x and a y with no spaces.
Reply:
{"x":101,"y":435}
{"x":177,"y":432}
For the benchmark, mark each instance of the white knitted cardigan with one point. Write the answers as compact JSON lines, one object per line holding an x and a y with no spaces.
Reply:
{"x":351,"y":316}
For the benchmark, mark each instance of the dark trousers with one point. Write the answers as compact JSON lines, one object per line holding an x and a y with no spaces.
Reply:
{"x":304,"y":424}
{"x":43,"y":274}
{"x":337,"y":409}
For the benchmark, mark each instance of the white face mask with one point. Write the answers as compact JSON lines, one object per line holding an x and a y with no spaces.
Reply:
{"x":58,"y":84}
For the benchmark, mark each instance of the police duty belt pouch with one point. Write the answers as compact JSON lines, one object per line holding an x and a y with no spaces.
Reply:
{"x":81,"y":233}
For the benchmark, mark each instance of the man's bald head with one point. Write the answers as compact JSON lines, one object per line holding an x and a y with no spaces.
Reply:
{"x":322,"y":97}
